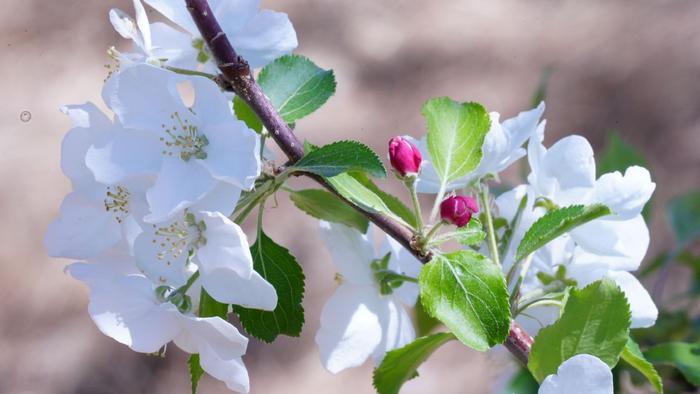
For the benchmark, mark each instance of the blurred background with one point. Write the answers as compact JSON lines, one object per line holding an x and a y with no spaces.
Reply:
{"x":630,"y":66}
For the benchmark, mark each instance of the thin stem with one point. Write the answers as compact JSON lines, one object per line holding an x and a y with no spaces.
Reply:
{"x":183,"y":289}
{"x":185,"y":71}
{"x":521,"y":278}
{"x":491,"y":233}
{"x":534,"y":303}
{"x":411,"y":185}
{"x":438,"y":200}
{"x":432,"y":232}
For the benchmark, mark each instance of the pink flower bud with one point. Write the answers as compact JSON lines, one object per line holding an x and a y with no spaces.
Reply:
{"x":404,"y":156}
{"x":458,"y":210}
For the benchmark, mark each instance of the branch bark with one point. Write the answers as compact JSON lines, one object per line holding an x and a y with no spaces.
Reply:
{"x":236,"y":74}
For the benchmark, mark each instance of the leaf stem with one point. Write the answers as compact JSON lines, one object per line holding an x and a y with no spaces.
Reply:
{"x":491,"y":233}
{"x":438,"y":200}
{"x":411,"y":185}
{"x":185,"y":71}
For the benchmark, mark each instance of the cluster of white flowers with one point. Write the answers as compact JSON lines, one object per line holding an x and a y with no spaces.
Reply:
{"x":154,"y":186}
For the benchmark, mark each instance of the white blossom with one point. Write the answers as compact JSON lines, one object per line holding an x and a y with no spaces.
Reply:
{"x":581,"y":374}
{"x":358,"y":321}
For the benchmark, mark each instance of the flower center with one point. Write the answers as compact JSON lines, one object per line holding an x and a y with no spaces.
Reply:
{"x":179,"y":238}
{"x":184,"y":138}
{"x":117,"y":202}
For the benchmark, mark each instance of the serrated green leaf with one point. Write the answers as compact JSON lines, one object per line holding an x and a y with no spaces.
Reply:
{"x":245,"y":113}
{"x":400,"y":365}
{"x":634,"y":357}
{"x":681,"y":355}
{"x":296,"y":86}
{"x":324,"y":205}
{"x":555,"y":223}
{"x":424,"y":322}
{"x":467,"y":292}
{"x":684,"y":215}
{"x":280,"y":268}
{"x":339,"y":157}
{"x":357,"y":193}
{"x":196,"y":371}
{"x":392,"y":202}
{"x":595,"y":321}
{"x":471,"y":234}
{"x":456,"y":133}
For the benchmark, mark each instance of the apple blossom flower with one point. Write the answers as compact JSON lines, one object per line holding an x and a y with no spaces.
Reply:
{"x":213,"y":243}
{"x":127,"y":308}
{"x":260,"y":36}
{"x":581,"y":374}
{"x":190,"y":151}
{"x":405,"y":157}
{"x":458,"y":210}
{"x":503,"y":145}
{"x":365,"y":316}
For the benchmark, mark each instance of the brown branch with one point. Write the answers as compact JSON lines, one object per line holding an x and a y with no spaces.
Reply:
{"x":236,"y":74}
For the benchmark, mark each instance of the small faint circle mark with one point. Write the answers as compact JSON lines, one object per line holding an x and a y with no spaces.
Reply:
{"x":25,"y":116}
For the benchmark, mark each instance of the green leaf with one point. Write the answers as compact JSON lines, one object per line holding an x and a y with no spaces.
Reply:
{"x":522,"y":383}
{"x":277,"y":266}
{"x":400,"y":365}
{"x":467,"y":292}
{"x":324,"y":205}
{"x":555,"y":223}
{"x":296,"y":86}
{"x":339,"y":157}
{"x":634,"y":357}
{"x":684,"y":356}
{"x":424,"y":322}
{"x":456,"y":133}
{"x":684,"y":215}
{"x":392,"y":202}
{"x":471,"y":234}
{"x":196,"y":371}
{"x":358,"y":194}
{"x":245,"y":113}
{"x":595,"y":321}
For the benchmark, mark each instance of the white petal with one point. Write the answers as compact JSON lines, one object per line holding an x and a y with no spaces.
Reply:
{"x":126,"y":27}
{"x":613,"y":244}
{"x":233,"y":154}
{"x":265,"y":37}
{"x":142,"y":23}
{"x":644,"y":311}
{"x":222,"y":198}
{"x":173,"y":45}
{"x":176,"y":12}
{"x":397,"y":328}
{"x":352,"y":251}
{"x":180,"y":184}
{"x":428,"y":180}
{"x":212,"y":106}
{"x":124,"y":154}
{"x":211,"y":334}
{"x":125,"y":309}
{"x":83,"y":230}
{"x":254,"y":292}
{"x":144,"y":97}
{"x":350,"y":329}
{"x":581,"y":374}
{"x":625,"y":195}
{"x":232,"y":371}
{"x":226,"y":248}
{"x":158,"y":256}
{"x":403,"y":262}
{"x":86,"y":115}
{"x":520,"y":128}
{"x":234,"y":14}
{"x":570,"y":161}
{"x":538,"y":317}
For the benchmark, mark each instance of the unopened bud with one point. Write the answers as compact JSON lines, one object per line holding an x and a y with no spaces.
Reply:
{"x":404,"y":156}
{"x":458,"y":210}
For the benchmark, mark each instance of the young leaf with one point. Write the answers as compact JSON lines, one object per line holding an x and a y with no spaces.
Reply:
{"x":245,"y":113}
{"x":277,"y":266}
{"x":471,"y":234}
{"x":196,"y":371}
{"x":424,"y":322}
{"x":392,"y":202}
{"x":467,"y":292}
{"x":634,"y":357}
{"x":684,"y":356}
{"x":555,"y":223}
{"x":595,"y":321}
{"x":324,"y":205}
{"x":456,"y":133}
{"x":400,"y":365}
{"x":296,"y":86}
{"x":684,"y":215}
{"x":339,"y":157}
{"x":357,"y":193}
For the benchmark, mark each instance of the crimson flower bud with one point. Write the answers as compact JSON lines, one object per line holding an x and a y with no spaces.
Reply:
{"x":458,"y":210}
{"x":404,"y":156}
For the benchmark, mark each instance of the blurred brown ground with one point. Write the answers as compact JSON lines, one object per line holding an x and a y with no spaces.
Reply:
{"x":629,"y":65}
